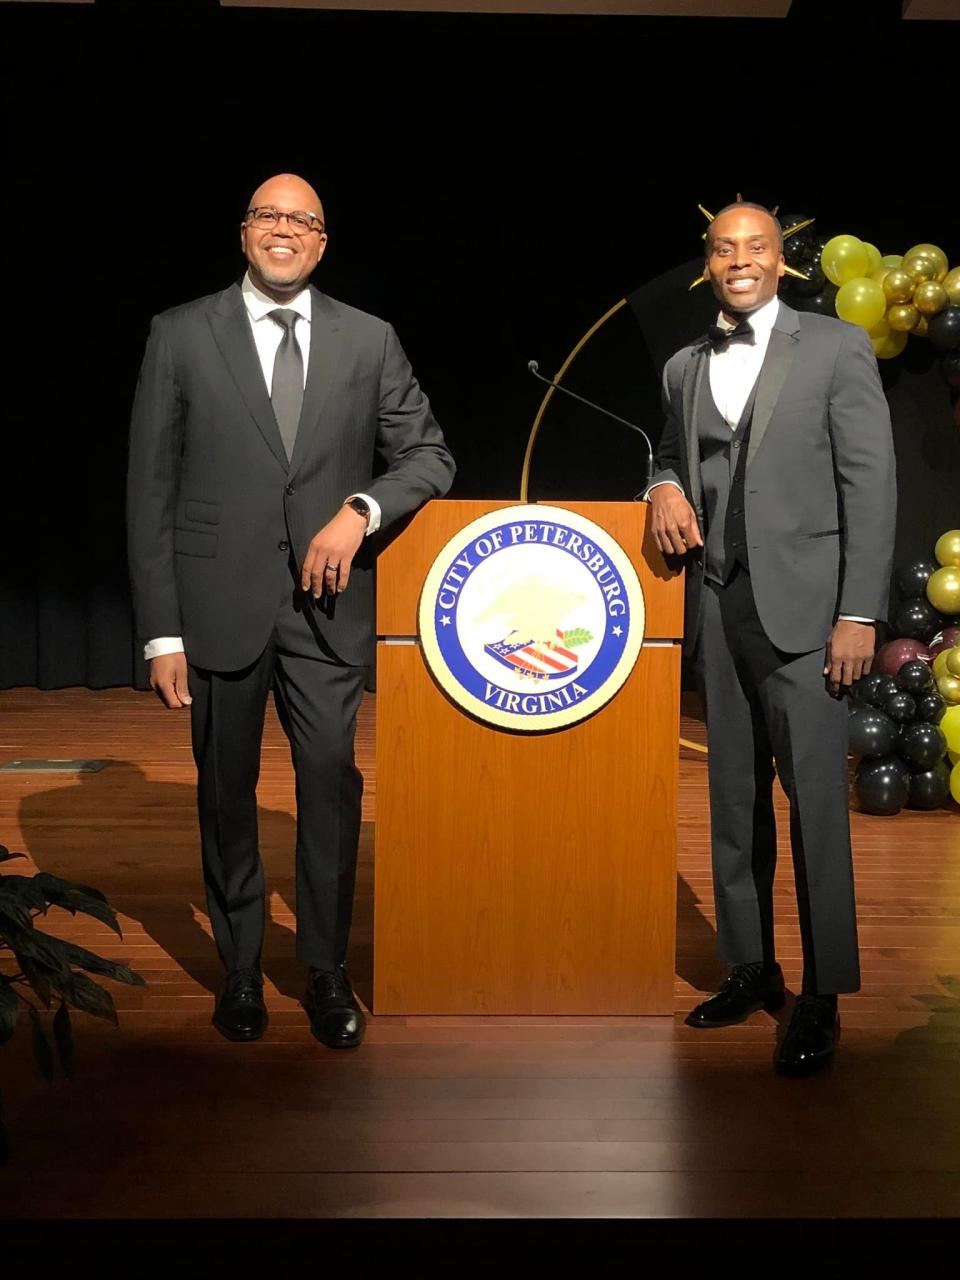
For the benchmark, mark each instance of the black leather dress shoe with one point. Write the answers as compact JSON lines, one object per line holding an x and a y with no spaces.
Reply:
{"x":750,"y":987}
{"x":335,"y":1017}
{"x":811,"y":1038}
{"x":240,"y":1013}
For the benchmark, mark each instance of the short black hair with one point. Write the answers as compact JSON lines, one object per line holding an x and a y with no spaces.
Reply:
{"x":747,"y":204}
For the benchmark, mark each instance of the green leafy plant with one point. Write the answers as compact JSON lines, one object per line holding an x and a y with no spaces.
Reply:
{"x":50,"y":969}
{"x":578,"y":636}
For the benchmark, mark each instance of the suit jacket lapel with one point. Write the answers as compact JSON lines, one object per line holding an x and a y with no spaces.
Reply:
{"x":234,"y":337}
{"x":781,"y":353}
{"x":326,"y":342}
{"x":691,"y":388}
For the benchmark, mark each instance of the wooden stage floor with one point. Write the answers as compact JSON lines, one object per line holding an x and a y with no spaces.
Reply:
{"x":455,"y":1118}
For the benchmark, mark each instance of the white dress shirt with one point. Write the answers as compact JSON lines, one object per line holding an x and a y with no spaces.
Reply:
{"x":733,"y":372}
{"x":267,"y":336}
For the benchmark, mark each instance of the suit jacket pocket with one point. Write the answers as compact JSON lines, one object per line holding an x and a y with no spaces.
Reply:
{"x":202,"y":512}
{"x":190,"y":542}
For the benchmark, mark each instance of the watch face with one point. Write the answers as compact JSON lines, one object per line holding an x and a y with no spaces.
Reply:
{"x":359,"y":506}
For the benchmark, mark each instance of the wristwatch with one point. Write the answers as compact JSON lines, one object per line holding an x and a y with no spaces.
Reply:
{"x":360,"y":507}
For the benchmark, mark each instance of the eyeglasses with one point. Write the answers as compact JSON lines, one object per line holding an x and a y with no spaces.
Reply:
{"x":299,"y":222}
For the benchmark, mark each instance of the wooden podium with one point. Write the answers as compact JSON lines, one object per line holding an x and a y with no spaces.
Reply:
{"x":524,"y":873}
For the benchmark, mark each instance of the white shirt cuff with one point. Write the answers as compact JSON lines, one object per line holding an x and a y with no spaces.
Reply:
{"x":375,"y":512}
{"x":659,"y":484}
{"x":850,"y":617}
{"x":161,"y":646}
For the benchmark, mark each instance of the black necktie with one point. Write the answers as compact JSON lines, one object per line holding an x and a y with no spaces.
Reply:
{"x":719,"y":337}
{"x":286,"y":390}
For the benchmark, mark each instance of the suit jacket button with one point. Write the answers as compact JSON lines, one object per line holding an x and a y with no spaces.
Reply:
{"x":289,"y":490}
{"x":283,"y":545}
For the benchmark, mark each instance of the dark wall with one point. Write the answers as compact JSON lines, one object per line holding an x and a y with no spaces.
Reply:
{"x":491,"y":185}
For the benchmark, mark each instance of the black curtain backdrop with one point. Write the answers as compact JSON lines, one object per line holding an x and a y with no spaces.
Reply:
{"x":492,"y":186}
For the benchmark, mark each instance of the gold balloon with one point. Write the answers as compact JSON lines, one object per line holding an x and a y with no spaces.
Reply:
{"x":873,"y":256}
{"x":891,"y":259}
{"x":899,"y":286}
{"x":953,"y":660}
{"x":890,"y":345}
{"x":919,"y":268}
{"x":947,"y":549}
{"x":861,"y":301}
{"x":880,"y":274}
{"x":949,"y":687}
{"x":929,"y":297}
{"x":943,"y":589}
{"x":939,"y":664}
{"x":955,"y":782}
{"x":951,"y":282}
{"x":934,"y":254}
{"x":903,"y":317}
{"x":921,"y":328}
{"x":844,"y":258}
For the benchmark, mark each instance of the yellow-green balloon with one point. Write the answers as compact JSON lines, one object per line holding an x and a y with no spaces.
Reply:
{"x":861,"y":301}
{"x":930,"y":298}
{"x":892,"y":259}
{"x":953,"y":756}
{"x":939,"y":664}
{"x":950,"y":728}
{"x":951,"y":282}
{"x":953,"y":661}
{"x":898,"y":285}
{"x":873,"y":256}
{"x":890,"y":346}
{"x":844,"y":258}
{"x":943,"y":589}
{"x":955,"y":782}
{"x":880,"y":274}
{"x":947,"y":549}
{"x":934,"y":254}
{"x":903,"y":317}
{"x":949,"y":689}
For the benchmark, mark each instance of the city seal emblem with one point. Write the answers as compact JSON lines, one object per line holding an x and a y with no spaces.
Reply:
{"x":531,"y":618}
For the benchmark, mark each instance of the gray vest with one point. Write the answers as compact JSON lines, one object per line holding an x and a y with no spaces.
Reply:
{"x":723,"y":466}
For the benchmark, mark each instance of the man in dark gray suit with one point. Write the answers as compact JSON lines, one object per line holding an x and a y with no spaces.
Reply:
{"x":274,"y":429}
{"x":775,"y":479}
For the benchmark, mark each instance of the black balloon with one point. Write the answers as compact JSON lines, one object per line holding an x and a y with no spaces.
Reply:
{"x":883,"y":785}
{"x":900,"y":706}
{"x":950,"y":368}
{"x":912,"y":577}
{"x":872,"y":733}
{"x":922,"y":745}
{"x":944,"y":329}
{"x":928,"y":790}
{"x":917,"y":619}
{"x":821,"y":303}
{"x":815,"y":281}
{"x":866,"y":689}
{"x":915,"y":677}
{"x":930,"y":707}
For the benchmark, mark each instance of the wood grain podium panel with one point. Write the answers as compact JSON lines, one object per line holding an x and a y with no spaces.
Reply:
{"x":525,"y":873}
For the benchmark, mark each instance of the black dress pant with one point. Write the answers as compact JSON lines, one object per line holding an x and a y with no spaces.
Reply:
{"x":766,"y":706}
{"x":317,"y":699}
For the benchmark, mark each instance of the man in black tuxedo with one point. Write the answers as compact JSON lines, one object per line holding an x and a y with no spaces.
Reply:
{"x":776,"y":481}
{"x":274,"y":430}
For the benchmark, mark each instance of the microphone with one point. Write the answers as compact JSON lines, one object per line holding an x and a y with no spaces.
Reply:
{"x":535,"y":370}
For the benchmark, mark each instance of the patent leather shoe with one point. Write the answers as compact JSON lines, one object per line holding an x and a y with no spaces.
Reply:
{"x":240,"y":1013}
{"x":749,"y":988}
{"x":335,"y":1017}
{"x":811,"y":1038}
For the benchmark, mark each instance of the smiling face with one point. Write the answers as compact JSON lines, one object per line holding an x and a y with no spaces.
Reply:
{"x":281,"y":261}
{"x":744,"y":260}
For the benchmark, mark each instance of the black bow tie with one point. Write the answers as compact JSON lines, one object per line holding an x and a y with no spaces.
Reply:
{"x":719,"y":337}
